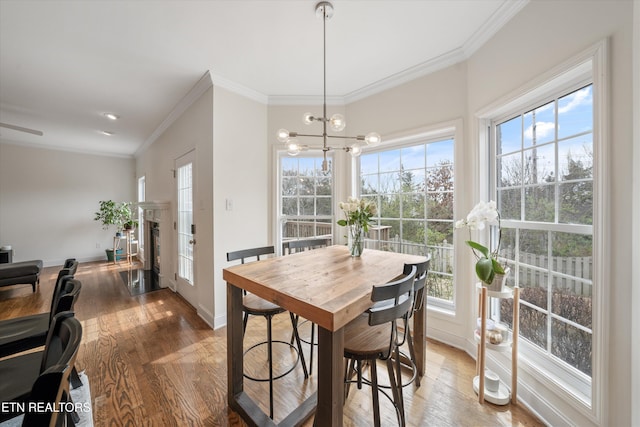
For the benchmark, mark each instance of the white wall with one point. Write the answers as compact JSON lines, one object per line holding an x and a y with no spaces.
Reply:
{"x":635,"y":281}
{"x":190,"y":131}
{"x":48,"y":199}
{"x":240,"y":174}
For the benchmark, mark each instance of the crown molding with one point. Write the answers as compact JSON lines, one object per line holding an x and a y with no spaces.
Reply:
{"x":25,"y":144}
{"x":305,"y":100}
{"x":239,"y":89}
{"x":506,"y":11}
{"x":194,"y":94}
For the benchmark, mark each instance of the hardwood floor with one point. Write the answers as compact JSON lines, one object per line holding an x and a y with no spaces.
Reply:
{"x":151,"y":361}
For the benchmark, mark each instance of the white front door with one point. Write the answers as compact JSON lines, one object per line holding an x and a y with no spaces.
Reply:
{"x":185,"y":228}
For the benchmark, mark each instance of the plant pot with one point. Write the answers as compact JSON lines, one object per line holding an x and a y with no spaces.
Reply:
{"x":118,"y":254}
{"x":499,"y":281}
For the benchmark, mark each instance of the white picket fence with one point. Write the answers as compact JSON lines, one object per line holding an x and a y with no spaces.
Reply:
{"x":575,"y":274}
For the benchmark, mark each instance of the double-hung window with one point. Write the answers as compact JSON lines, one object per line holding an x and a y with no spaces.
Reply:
{"x":412,"y":186}
{"x":543,"y":168}
{"x":306,"y":197}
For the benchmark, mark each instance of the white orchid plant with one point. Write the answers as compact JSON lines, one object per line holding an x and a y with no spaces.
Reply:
{"x":482,"y":214}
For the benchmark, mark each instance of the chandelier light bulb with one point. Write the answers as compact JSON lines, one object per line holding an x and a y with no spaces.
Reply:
{"x":283,"y":135}
{"x":372,"y":138}
{"x":307,"y":118}
{"x":337,"y":122}
{"x":293,"y":149}
{"x":355,"y":150}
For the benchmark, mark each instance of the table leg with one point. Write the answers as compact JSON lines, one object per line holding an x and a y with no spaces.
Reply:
{"x":234,"y":345}
{"x":420,"y":338}
{"x":330,"y":378}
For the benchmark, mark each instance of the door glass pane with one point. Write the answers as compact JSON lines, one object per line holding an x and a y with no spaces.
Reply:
{"x":185,"y":220}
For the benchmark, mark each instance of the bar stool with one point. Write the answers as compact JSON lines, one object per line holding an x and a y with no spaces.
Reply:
{"x":256,"y":306}
{"x":375,"y":336}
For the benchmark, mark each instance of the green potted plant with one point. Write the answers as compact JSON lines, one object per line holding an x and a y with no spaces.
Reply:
{"x":115,"y":214}
{"x":488,"y":268}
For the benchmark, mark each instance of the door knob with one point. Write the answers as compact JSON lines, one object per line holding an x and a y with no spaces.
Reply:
{"x":193,"y":242}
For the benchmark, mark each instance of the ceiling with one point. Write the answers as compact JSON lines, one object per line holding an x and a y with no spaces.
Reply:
{"x":63,"y":64}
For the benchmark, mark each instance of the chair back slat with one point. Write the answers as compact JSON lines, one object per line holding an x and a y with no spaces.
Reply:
{"x":293,"y":246}
{"x":420,"y":281}
{"x":243,"y":254}
{"x":399,"y":295}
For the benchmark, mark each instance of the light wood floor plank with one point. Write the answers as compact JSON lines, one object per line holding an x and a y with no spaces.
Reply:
{"x":151,"y":361}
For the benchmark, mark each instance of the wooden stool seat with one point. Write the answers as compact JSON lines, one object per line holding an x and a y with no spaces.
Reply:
{"x":362,"y":341}
{"x":259,"y":306}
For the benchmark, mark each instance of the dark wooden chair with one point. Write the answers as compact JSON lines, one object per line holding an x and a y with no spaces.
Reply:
{"x":419,"y":299}
{"x":376,"y":336}
{"x":256,"y":306}
{"x":292,"y":247}
{"x":26,"y":332}
{"x":20,"y":373}
{"x":48,"y":391}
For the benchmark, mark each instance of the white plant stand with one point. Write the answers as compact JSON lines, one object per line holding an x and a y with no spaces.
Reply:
{"x":503,"y":394}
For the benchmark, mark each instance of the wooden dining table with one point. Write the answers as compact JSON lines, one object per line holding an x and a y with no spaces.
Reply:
{"x":328,"y":287}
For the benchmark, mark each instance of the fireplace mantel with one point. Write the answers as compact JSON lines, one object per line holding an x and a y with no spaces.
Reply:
{"x":158,"y":212}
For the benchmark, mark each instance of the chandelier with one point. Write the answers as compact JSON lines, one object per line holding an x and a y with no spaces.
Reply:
{"x":337,"y":123}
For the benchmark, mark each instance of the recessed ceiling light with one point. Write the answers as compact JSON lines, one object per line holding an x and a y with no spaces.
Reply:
{"x":106,"y":132}
{"x":111,"y":116}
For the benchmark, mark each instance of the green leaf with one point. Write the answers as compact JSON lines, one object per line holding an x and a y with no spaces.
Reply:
{"x":342,"y":222}
{"x":484,"y":270}
{"x":477,"y":246}
{"x":497,"y":267}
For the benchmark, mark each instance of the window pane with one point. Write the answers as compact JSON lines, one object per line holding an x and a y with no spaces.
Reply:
{"x":369,"y":163}
{"x":323,"y":186}
{"x":534,"y":264}
{"x":576,"y":203}
{"x":323,"y":206}
{"x":289,"y":166}
{"x":306,"y":206}
{"x":369,"y":184}
{"x":389,"y":160}
{"x":289,"y":186}
{"x":440,"y":205}
{"x":439,"y":232}
{"x":439,"y":153}
{"x":510,"y":170}
{"x":539,"y":164}
{"x":413,"y":231}
{"x":571,"y":345}
{"x":509,"y":203}
{"x":539,"y":125}
{"x":539,"y":203}
{"x":390,"y":206}
{"x":575,"y":158}
{"x":571,"y":299}
{"x":413,"y":205}
{"x":289,"y":206}
{"x":390,"y":182}
{"x":509,"y":135}
{"x":575,"y":113}
{"x":533,"y":325}
{"x":413,"y":157}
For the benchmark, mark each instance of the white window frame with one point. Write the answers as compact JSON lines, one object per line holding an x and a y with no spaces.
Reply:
{"x":584,"y":394}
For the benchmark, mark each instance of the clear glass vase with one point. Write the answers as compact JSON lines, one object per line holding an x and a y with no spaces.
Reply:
{"x":355,"y":240}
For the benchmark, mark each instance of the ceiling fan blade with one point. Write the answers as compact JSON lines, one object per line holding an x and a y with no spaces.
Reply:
{"x":21,"y":129}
